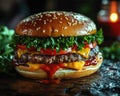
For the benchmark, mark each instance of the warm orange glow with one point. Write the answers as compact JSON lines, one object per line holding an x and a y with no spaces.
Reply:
{"x":113,"y":17}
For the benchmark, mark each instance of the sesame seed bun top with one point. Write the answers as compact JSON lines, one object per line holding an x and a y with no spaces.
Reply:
{"x":55,"y":24}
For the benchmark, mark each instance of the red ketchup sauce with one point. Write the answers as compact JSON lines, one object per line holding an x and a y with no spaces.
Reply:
{"x":90,"y":62}
{"x":51,"y":69}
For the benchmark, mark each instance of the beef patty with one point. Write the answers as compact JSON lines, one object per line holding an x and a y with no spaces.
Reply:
{"x":54,"y":59}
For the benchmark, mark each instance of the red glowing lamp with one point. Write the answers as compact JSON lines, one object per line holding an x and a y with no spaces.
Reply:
{"x":113,"y":17}
{"x":109,"y":19}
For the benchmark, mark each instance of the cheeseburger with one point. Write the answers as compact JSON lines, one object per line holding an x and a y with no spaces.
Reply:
{"x":57,"y":44}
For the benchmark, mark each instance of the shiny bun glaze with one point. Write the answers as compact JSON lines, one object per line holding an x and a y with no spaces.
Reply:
{"x":55,"y":24}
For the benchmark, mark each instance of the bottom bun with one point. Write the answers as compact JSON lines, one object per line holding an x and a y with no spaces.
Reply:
{"x":63,"y":73}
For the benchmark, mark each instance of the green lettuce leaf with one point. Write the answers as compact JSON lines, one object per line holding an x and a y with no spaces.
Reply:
{"x":58,"y":42}
{"x":6,"y":36}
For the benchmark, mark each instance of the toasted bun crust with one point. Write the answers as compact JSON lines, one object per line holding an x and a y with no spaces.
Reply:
{"x":63,"y":73}
{"x":55,"y":24}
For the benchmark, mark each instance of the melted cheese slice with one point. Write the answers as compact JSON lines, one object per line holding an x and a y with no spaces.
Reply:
{"x":20,"y":52}
{"x":75,"y":65}
{"x":84,"y":52}
{"x":33,"y":67}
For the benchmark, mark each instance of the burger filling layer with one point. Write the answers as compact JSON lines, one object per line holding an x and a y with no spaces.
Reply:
{"x":73,"y":59}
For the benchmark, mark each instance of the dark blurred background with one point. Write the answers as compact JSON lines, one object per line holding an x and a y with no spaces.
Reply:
{"x":12,"y":11}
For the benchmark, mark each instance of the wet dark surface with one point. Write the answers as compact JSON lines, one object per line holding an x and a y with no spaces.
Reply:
{"x":105,"y":82}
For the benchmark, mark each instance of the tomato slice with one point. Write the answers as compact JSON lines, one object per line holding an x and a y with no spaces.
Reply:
{"x":91,"y":45}
{"x":53,"y":52}
{"x":86,"y":45}
{"x":74,"y":47}
{"x":31,"y":49}
{"x":23,"y":47}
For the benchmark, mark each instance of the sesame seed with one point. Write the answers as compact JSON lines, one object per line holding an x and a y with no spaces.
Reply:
{"x":65,"y":27}
{"x":60,"y":21}
{"x":50,"y":20}
{"x":75,"y":23}
{"x":56,"y":30}
{"x":66,"y":18}
{"x":24,"y":31}
{"x":44,"y":21}
{"x":61,"y":18}
{"x":72,"y":20}
{"x":54,"y":18}
{"x":38,"y":28}
{"x":62,"y":34}
{"x":49,"y":15}
{"x":69,"y":24}
{"x":80,"y":22}
{"x":41,"y":16}
{"x":44,"y":30}
{"x":54,"y":15}
{"x":34,"y":24}
{"x":58,"y":14}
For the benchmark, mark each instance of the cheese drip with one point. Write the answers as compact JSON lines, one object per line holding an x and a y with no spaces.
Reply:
{"x":73,"y":65}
